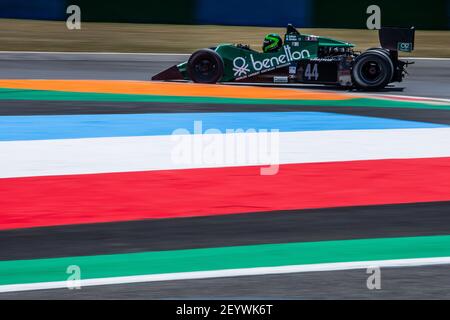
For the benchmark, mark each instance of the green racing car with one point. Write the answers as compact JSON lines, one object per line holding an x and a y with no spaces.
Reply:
{"x":300,"y":58}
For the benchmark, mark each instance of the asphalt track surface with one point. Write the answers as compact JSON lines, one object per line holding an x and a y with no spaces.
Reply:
{"x":428,"y":78}
{"x":230,"y":230}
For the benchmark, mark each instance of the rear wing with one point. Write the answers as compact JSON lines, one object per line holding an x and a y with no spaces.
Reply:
{"x":397,"y":39}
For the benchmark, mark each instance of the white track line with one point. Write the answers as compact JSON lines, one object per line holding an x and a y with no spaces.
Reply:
{"x":383,"y":95}
{"x":126,"y":154}
{"x":230,"y":273}
{"x":425,"y":58}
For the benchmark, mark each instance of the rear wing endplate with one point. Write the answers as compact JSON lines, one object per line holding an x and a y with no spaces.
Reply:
{"x":397,"y":39}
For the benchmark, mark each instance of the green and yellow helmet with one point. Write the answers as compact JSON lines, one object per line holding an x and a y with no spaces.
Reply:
{"x":272,"y":42}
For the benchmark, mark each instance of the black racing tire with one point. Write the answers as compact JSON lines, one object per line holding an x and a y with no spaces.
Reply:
{"x":205,"y":66}
{"x":372,"y":70}
{"x":386,"y":51}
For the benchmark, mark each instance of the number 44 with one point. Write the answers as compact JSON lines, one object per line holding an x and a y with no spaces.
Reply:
{"x":314,"y":74}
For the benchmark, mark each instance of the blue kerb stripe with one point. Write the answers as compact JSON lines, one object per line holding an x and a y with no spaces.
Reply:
{"x":121,"y":125}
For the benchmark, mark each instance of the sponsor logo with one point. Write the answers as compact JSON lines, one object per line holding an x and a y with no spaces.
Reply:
{"x":311,"y":38}
{"x":292,"y":37}
{"x":322,"y":60}
{"x":280,"y":79}
{"x":404,"y":46}
{"x":242,"y":67}
{"x":292,"y":70}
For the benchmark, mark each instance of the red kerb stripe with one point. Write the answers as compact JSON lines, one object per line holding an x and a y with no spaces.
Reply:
{"x":75,"y":199}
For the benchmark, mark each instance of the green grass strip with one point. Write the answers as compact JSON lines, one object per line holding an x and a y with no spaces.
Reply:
{"x":100,"y":266}
{"x":25,"y":94}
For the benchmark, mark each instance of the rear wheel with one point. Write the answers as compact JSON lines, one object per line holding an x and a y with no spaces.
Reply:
{"x":386,"y":51}
{"x":205,"y":66}
{"x":372,"y":70}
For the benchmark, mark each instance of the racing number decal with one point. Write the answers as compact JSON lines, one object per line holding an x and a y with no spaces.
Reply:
{"x":312,"y":74}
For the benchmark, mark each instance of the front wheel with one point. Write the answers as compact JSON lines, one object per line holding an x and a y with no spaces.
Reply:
{"x":205,"y":66}
{"x":372,"y":70}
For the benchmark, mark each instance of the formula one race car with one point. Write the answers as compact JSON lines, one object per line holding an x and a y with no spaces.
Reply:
{"x":301,"y":59}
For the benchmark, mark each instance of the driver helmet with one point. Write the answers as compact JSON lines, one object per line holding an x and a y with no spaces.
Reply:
{"x":272,"y":42}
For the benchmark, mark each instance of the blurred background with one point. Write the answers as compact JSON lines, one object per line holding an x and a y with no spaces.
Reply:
{"x":185,"y":25}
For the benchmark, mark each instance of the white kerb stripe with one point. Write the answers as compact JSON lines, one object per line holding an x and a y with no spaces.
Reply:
{"x":127,"y":154}
{"x":230,"y":273}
